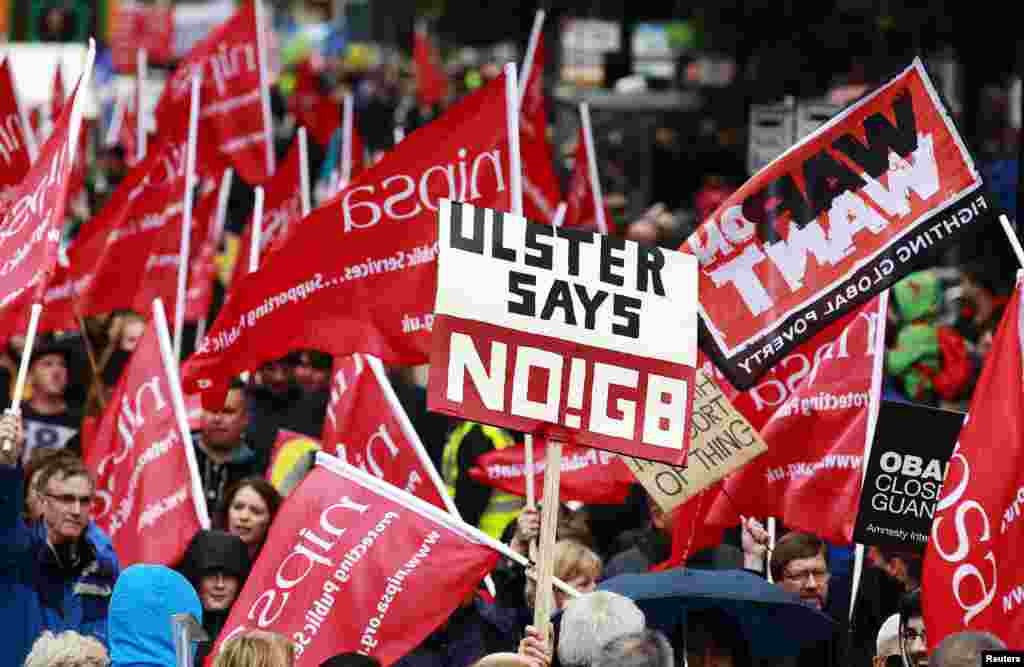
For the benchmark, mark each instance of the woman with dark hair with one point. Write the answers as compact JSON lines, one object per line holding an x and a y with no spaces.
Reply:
{"x":250,"y":505}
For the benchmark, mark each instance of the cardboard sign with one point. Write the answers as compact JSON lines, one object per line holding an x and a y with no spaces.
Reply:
{"x":836,"y":219}
{"x":721,"y":441}
{"x":904,"y":476}
{"x":565,"y":333}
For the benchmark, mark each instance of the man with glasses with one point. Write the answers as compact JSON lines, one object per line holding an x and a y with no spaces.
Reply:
{"x":56,"y":573}
{"x":798,"y":565}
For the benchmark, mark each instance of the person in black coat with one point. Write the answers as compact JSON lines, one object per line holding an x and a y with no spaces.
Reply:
{"x":217,"y":564}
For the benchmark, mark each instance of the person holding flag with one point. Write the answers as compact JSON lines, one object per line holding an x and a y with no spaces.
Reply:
{"x":57,"y":573}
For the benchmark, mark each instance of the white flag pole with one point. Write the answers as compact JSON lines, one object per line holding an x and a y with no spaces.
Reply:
{"x":304,"y":195}
{"x":398,"y":134}
{"x":186,"y":218}
{"x":219,"y":221}
{"x":512,"y":124}
{"x":26,"y":354}
{"x":142,"y":71}
{"x":1012,"y":236}
{"x":559,"y":217}
{"x":347,"y":120}
{"x":264,"y":64}
{"x":531,"y":52}
{"x":180,"y":413}
{"x":410,"y":432}
{"x":116,"y":121}
{"x":595,"y":179}
{"x":256,"y":237}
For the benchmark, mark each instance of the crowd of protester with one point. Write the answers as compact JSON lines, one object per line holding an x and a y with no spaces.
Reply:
{"x":65,"y":600}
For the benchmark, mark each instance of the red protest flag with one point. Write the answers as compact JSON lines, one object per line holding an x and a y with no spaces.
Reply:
{"x":542,"y":191}
{"x":367,"y":427}
{"x":31,"y":226}
{"x":359,"y":274}
{"x":431,"y":81}
{"x":581,"y":209}
{"x":973,"y":564}
{"x":282,"y":211}
{"x":348,"y":564}
{"x":588,"y":475}
{"x":202,"y":263}
{"x":312,"y":107}
{"x":844,"y":214}
{"x":15,"y":159}
{"x":234,"y":107}
{"x":57,"y":93}
{"x":824,"y":404}
{"x":128,"y":254}
{"x":148,"y":490}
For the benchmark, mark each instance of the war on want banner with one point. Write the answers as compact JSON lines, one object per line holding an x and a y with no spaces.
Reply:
{"x":568,"y":333}
{"x":833,"y":221}
{"x":904,"y":475}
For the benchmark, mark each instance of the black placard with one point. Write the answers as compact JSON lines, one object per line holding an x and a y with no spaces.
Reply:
{"x":912,"y":446}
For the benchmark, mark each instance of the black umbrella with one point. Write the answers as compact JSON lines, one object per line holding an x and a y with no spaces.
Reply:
{"x":774,"y":623}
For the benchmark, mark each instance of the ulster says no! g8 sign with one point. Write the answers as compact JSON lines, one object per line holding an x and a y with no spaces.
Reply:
{"x":564,"y":333}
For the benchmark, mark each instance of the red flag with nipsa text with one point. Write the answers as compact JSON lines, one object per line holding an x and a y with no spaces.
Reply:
{"x":973,"y":576}
{"x":359,"y":274}
{"x":367,"y":427}
{"x":816,"y":411}
{"x":348,"y":565}
{"x":147,"y":485}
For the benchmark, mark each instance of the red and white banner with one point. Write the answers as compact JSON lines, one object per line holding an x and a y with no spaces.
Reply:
{"x":57,"y":93}
{"x":348,"y":564}
{"x":149,"y":496}
{"x":973,"y":566}
{"x":359,"y":274}
{"x":282,"y":211}
{"x":367,"y":427}
{"x":580,"y":210}
{"x":431,"y":81}
{"x":32,"y":221}
{"x":15,"y":159}
{"x":542,"y":191}
{"x":567,"y":334}
{"x":817,"y":411}
{"x":203,"y":260}
{"x":137,"y":26}
{"x":128,"y":254}
{"x":591,"y":476}
{"x":836,"y":219}
{"x":234,"y":111}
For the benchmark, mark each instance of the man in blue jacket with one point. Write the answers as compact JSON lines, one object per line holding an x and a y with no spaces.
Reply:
{"x":56,"y":573}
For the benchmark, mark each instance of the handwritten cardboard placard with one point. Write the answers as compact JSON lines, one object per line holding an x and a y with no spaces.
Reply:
{"x":721,"y":441}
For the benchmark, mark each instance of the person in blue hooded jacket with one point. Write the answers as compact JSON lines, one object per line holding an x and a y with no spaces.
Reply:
{"x":57,"y":572}
{"x":145,"y":598}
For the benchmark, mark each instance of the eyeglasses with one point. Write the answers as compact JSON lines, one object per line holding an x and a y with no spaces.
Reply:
{"x":69,"y":499}
{"x":801,"y":577}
